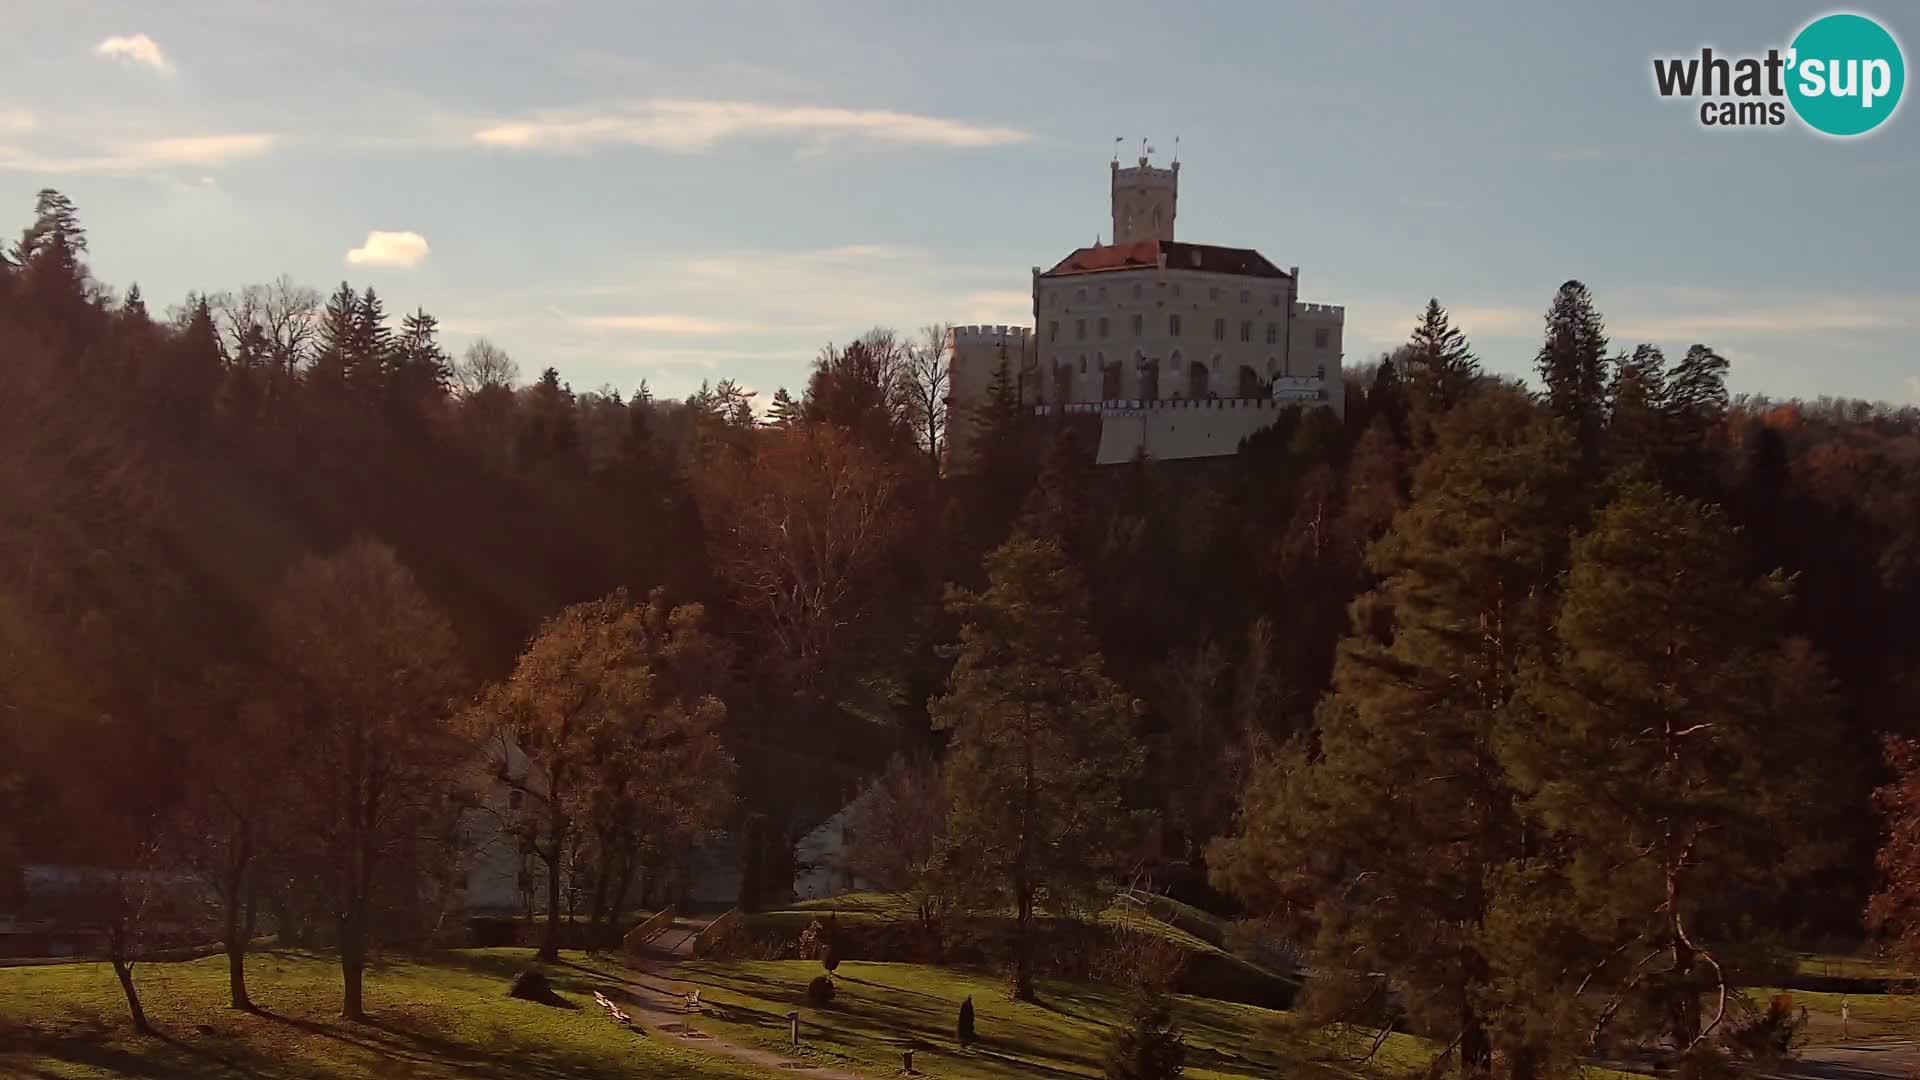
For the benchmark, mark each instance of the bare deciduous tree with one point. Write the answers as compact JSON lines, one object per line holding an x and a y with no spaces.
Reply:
{"x":925,"y":382}
{"x":483,"y":365}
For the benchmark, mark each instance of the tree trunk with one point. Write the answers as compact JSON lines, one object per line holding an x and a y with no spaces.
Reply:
{"x":1686,"y":1002}
{"x":353,"y":965}
{"x":124,"y":972}
{"x":1476,"y":1049}
{"x":1023,"y":950}
{"x":236,"y":934}
{"x":550,"y":941}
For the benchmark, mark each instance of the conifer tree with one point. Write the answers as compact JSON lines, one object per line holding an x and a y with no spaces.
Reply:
{"x":1394,"y":834}
{"x":1637,"y":432}
{"x":1440,"y":370}
{"x":783,"y":411}
{"x":1573,"y":366}
{"x":334,"y":355}
{"x":1042,"y":748}
{"x":1663,"y":743}
{"x":1149,"y":1046}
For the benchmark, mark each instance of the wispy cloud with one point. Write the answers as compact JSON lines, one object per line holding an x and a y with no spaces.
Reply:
{"x":1801,"y":315}
{"x":397,"y":249}
{"x":144,"y":155}
{"x":692,"y":126}
{"x":16,"y":122}
{"x":689,"y":325}
{"x":137,"y":49}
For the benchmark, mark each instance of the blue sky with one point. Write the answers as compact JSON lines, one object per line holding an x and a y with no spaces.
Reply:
{"x":690,"y":191}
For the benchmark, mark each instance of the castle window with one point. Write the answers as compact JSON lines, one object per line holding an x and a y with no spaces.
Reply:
{"x":1173,"y":325}
{"x":1103,"y":326}
{"x":1080,"y":293}
{"x":1246,"y":295}
{"x":1176,"y":288}
{"x":1139,"y":322}
{"x":1080,"y":329}
{"x":1053,"y":330}
{"x":1246,"y":331}
{"x":1273,"y":334}
{"x":1219,"y":329}
{"x":1213,"y":294}
{"x":1083,"y":365}
{"x":1276,"y":299}
{"x":1321,"y":336}
{"x":1101,"y":292}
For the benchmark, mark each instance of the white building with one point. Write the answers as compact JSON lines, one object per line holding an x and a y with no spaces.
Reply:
{"x":1181,"y":349}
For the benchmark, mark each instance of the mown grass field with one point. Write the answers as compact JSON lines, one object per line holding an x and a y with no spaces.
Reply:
{"x":879,"y":1008}
{"x":1869,"y":1016}
{"x":446,"y":1018}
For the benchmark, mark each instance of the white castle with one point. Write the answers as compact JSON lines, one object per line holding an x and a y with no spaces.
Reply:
{"x":1181,"y":350}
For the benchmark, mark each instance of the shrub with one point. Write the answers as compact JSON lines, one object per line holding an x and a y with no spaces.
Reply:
{"x":964,"y":1029}
{"x":813,"y":940}
{"x":1149,"y":1047}
{"x":830,"y":958}
{"x":820,"y":990}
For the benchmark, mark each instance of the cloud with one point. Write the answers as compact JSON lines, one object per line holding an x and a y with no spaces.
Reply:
{"x":1804,"y":315}
{"x":16,"y":122}
{"x":400,"y":249}
{"x":1913,"y":388}
{"x":144,"y":155}
{"x":137,"y":49}
{"x":691,"y":325}
{"x":692,"y":126}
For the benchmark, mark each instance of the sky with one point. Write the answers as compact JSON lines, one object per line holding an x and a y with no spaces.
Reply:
{"x":680,"y":192}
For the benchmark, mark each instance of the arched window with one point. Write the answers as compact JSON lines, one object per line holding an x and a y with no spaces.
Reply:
{"x":1063,"y":382}
{"x":1156,"y":221}
{"x":1110,"y":389}
{"x":1197,"y":379}
{"x":1150,"y":379}
{"x":1249,"y":383}
{"x":1083,"y":365}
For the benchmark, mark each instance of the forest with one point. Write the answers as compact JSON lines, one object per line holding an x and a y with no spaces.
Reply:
{"x":1562,"y":708}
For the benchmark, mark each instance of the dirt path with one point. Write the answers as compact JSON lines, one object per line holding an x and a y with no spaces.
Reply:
{"x":658,"y":1003}
{"x":1857,"y":1061}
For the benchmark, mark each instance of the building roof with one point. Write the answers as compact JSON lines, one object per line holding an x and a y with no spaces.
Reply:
{"x":1207,"y":258}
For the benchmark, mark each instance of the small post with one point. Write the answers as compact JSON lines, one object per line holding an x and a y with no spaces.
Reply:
{"x":793,"y":1018}
{"x":906,"y":1061}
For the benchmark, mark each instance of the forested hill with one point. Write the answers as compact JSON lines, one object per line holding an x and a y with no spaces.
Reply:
{"x":163,"y":467}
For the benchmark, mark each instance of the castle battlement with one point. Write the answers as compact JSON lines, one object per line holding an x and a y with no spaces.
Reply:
{"x":989,"y":335}
{"x":1329,"y":312}
{"x":1166,"y":405}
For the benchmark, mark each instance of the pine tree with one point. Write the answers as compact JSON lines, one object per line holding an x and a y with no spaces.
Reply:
{"x":371,"y":354}
{"x":1573,"y":366}
{"x":1149,"y":1046}
{"x":783,"y":411}
{"x":1042,"y":748}
{"x":421,"y":371}
{"x":1696,"y":408}
{"x":334,"y":356}
{"x":1440,"y":370}
{"x":1637,"y":430}
{"x":1663,"y":744}
{"x":1396,"y":832}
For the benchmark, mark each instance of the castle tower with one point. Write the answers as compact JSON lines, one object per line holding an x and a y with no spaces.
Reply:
{"x":1144,"y":201}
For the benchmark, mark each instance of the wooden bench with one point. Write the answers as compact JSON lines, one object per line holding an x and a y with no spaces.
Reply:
{"x":613,"y":1009}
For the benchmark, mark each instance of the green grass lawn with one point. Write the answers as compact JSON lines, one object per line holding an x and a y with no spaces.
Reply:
{"x":879,"y":1007}
{"x":447,"y":1018}
{"x":1849,"y":966}
{"x":1869,"y":1016}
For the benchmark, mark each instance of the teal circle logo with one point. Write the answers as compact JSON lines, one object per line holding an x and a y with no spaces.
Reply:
{"x":1845,"y":74}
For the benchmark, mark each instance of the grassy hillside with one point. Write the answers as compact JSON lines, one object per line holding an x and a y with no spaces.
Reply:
{"x":878,"y":1008}
{"x":449,"y":1018}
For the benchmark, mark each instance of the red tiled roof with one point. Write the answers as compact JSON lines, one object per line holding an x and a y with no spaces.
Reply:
{"x":1245,"y":262}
